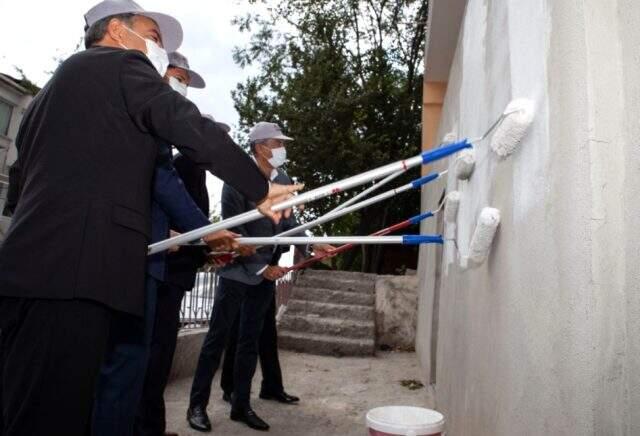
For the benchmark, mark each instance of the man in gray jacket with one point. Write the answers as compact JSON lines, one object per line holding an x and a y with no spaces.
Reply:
{"x":245,"y":290}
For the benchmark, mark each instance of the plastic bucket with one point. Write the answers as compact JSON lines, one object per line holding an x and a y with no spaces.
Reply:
{"x":404,"y":421}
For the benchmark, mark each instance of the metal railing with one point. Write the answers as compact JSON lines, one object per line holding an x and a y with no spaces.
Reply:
{"x":195,"y":311}
{"x":284,"y":288}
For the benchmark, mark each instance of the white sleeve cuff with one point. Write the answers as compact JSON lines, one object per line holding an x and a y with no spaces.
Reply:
{"x":259,"y":273}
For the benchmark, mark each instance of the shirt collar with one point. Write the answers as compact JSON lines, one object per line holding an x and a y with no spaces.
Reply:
{"x":274,"y":172}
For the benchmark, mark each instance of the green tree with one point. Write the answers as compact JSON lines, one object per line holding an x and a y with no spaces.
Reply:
{"x":344,"y":77}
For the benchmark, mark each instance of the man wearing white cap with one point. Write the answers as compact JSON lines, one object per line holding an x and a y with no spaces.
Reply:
{"x":180,"y":76}
{"x":244,"y":294}
{"x":176,"y":278}
{"x":122,"y":375}
{"x":88,"y":145}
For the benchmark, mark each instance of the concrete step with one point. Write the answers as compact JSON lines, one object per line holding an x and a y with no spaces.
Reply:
{"x":328,"y":281}
{"x":325,"y":344}
{"x":329,"y":310}
{"x":332,"y":296}
{"x":328,"y":326}
{"x":344,"y":275}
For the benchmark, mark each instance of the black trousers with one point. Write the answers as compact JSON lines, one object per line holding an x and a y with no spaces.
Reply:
{"x":151,"y":420}
{"x":267,"y":352}
{"x":249,"y":303}
{"x":50,"y":355}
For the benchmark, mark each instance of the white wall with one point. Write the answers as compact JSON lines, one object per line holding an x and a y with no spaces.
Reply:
{"x":20,"y":101}
{"x":545,"y":337}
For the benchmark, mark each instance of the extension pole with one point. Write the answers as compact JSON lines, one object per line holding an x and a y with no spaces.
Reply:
{"x":369,"y":190}
{"x":416,"y":184}
{"x":394,"y":228}
{"x":362,"y":240}
{"x":315,"y":194}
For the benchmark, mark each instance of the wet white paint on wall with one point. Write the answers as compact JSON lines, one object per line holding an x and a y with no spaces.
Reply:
{"x":544,"y":338}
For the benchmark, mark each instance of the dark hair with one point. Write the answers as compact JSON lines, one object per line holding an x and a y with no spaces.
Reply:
{"x":254,"y":143}
{"x":98,"y":30}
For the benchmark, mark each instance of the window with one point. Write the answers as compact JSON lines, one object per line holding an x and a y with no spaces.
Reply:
{"x":5,"y":117}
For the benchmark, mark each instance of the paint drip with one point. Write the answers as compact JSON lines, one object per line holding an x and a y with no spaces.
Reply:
{"x":449,"y":138}
{"x":483,"y":235}
{"x":451,"y":205}
{"x":518,"y":116}
{"x":465,"y":164}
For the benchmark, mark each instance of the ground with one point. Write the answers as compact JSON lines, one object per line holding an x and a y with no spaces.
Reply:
{"x":336,"y":395}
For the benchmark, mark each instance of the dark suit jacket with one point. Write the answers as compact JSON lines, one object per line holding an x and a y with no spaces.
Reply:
{"x":87,"y":152}
{"x":245,"y":269}
{"x":13,"y":192}
{"x":172,"y":202}
{"x":183,"y":265}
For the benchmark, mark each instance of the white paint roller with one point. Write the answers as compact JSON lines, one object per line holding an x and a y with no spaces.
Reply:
{"x":517,"y":118}
{"x":451,"y":204}
{"x":483,"y":235}
{"x":465,"y":164}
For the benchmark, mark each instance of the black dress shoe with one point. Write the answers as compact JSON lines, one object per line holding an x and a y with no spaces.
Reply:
{"x":281,"y":397}
{"x":249,"y":417}
{"x":198,"y":419}
{"x":226,"y":397}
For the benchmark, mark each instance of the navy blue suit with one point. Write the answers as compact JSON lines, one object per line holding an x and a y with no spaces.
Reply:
{"x":243,"y":295}
{"x":123,"y":370}
{"x":182,"y":267}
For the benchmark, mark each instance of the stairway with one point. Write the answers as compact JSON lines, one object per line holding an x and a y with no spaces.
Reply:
{"x":330,"y":313}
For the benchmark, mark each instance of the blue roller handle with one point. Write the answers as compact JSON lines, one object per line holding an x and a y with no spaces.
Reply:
{"x":418,"y":218}
{"x":422,"y":239}
{"x":424,"y":180}
{"x":444,"y":151}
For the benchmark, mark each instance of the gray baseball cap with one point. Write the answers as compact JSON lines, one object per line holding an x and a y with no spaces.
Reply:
{"x":180,"y":61}
{"x":264,"y":130}
{"x":224,"y":126}
{"x":170,"y":28}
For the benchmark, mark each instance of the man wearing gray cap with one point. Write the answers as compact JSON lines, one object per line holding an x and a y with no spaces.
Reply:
{"x":244,"y":293}
{"x":122,"y":374}
{"x":180,"y":76}
{"x":88,"y":145}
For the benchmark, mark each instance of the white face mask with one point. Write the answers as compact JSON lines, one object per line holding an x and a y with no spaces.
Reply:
{"x":279,"y":157}
{"x":178,"y":86}
{"x":156,"y":54}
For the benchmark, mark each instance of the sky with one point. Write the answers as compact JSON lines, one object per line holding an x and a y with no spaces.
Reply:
{"x":33,"y":32}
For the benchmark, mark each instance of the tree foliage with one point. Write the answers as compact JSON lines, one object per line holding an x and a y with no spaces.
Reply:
{"x":344,"y":78}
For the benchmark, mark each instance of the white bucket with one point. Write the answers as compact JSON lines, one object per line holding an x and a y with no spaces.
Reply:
{"x":404,"y":421}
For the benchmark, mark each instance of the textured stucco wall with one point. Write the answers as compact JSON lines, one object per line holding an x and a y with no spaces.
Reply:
{"x":396,"y":311}
{"x":545,"y":337}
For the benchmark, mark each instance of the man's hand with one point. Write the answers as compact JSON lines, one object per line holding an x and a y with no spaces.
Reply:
{"x":223,"y":240}
{"x":175,"y":248}
{"x":322,"y":250}
{"x":274,"y":272}
{"x":277,"y":194}
{"x":246,"y":250}
{"x":219,"y":260}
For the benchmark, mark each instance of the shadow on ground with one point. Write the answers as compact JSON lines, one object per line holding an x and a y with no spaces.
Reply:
{"x":336,"y":394}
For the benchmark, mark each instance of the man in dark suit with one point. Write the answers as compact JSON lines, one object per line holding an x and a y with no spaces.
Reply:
{"x":245,"y":291}
{"x":181,"y":268}
{"x":75,"y":254}
{"x":122,"y":374}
